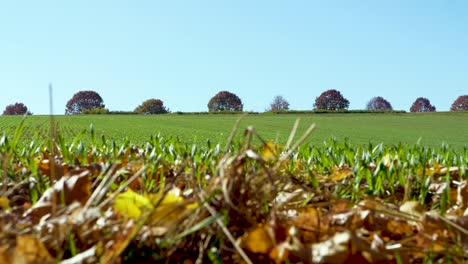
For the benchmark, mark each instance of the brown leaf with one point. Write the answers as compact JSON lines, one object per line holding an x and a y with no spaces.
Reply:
{"x":310,"y":225}
{"x":4,"y":255}
{"x":114,"y":248}
{"x":65,"y":191}
{"x":30,"y":250}
{"x":334,"y":250}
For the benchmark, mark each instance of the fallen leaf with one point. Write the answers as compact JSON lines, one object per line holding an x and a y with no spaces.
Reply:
{"x":4,"y":203}
{"x":30,"y":250}
{"x":270,"y":151}
{"x":412,"y":208}
{"x":334,"y":250}
{"x":340,"y":173}
{"x":131,"y":204}
{"x":258,"y":240}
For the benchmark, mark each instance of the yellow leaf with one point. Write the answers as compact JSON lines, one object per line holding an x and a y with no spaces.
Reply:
{"x":131,"y":204}
{"x":171,"y":209}
{"x":270,"y":151}
{"x":171,"y":197}
{"x":339,"y":174}
{"x":4,"y":203}
{"x":258,"y":241}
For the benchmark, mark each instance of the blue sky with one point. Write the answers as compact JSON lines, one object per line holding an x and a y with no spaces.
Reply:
{"x":184,"y":52}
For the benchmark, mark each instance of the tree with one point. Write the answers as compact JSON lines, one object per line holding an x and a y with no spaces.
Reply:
{"x":460,"y":104}
{"x":151,"y":106}
{"x":378,"y":103}
{"x":16,"y":109}
{"x":83,"y":100}
{"x":331,"y":100}
{"x":279,"y":104}
{"x":422,"y":104}
{"x":225,"y":101}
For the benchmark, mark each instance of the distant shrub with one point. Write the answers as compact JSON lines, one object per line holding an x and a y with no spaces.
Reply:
{"x":152,"y":107}
{"x":95,"y":111}
{"x":121,"y":113}
{"x":313,"y":112}
{"x":215,"y":113}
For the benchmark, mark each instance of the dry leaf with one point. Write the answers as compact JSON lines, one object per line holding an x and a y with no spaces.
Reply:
{"x":131,"y":204}
{"x":339,"y":174}
{"x":413,"y":208}
{"x":258,"y":240}
{"x":270,"y":151}
{"x":4,"y":203}
{"x":334,"y":250}
{"x":30,"y":250}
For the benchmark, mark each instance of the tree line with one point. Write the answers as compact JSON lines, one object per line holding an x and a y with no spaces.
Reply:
{"x":90,"y":102}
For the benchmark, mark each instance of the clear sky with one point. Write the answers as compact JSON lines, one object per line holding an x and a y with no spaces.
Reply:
{"x":184,"y":52}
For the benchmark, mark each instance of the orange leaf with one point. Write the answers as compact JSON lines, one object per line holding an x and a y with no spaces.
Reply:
{"x":258,"y":241}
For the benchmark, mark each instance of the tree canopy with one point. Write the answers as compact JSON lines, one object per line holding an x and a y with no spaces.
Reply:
{"x":379,"y":103}
{"x":84,"y":100}
{"x":16,"y":109}
{"x":422,"y":104}
{"x":331,"y":100}
{"x":279,"y":104}
{"x":461,"y":104}
{"x":225,"y":101}
{"x":151,"y":106}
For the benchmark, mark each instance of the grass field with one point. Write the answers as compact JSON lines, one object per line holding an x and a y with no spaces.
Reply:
{"x":168,"y":201}
{"x":431,"y":129}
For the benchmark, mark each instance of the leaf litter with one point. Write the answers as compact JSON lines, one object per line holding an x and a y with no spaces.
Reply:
{"x":252,"y":203}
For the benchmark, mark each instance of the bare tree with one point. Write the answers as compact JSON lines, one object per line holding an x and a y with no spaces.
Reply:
{"x":279,"y":104}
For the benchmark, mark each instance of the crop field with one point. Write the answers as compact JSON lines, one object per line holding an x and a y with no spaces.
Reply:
{"x":160,"y":193}
{"x":431,"y":129}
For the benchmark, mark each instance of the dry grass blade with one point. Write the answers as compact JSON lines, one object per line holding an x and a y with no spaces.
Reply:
{"x":293,"y":133}
{"x":233,"y":132}
{"x":103,"y":187}
{"x":301,"y":140}
{"x":124,"y":186}
{"x":199,"y":226}
{"x":226,"y":232}
{"x":456,"y":226}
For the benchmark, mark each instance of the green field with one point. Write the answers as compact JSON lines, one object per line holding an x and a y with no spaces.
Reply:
{"x":430,"y":129}
{"x":168,"y":201}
